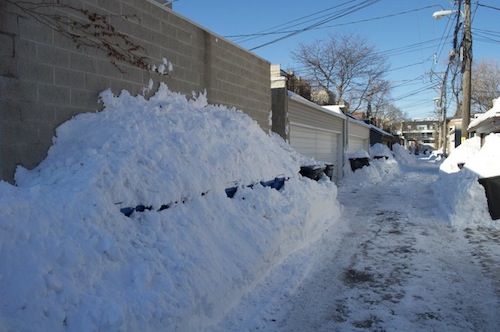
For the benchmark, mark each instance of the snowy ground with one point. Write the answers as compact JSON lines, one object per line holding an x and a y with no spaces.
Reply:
{"x":392,"y":264}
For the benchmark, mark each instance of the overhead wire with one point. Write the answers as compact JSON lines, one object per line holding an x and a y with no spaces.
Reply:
{"x":410,"y":48}
{"x":320,"y":22}
{"x":330,"y":18}
{"x":487,"y":6}
{"x":268,"y":32}
{"x":444,"y":38}
{"x":486,"y":36}
{"x":287,"y":25}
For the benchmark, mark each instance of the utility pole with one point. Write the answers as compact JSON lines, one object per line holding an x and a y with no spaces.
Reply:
{"x":442,"y":104}
{"x":443,"y":130}
{"x":466,"y":70}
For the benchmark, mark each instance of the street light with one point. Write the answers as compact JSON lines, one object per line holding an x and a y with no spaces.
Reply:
{"x":441,"y":13}
{"x":467,"y":62}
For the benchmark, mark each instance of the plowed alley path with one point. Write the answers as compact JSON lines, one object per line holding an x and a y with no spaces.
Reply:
{"x":392,"y":263}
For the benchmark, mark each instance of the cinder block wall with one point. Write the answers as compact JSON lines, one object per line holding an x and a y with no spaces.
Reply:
{"x":45,"y":79}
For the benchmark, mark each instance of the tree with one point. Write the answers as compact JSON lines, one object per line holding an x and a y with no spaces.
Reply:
{"x":346,"y":65}
{"x":298,"y":85}
{"x":322,"y":97}
{"x":391,"y":117}
{"x":456,"y":82}
{"x":85,"y":28}
{"x":485,"y":84}
{"x":377,"y":99}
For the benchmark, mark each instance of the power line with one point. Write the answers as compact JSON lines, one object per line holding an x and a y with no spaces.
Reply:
{"x":444,"y":37}
{"x":287,"y":25}
{"x":415,"y":92}
{"x":265,"y":33}
{"x":486,"y":6}
{"x":348,"y":11}
{"x":406,"y":66}
{"x":410,"y":48}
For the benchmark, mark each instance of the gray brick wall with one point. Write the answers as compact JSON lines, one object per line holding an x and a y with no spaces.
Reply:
{"x":45,"y":79}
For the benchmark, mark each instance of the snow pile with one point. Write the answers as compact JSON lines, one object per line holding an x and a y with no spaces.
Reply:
{"x":403,"y":156}
{"x":380,"y":150}
{"x":487,"y":161}
{"x":458,"y":192}
{"x":380,"y":170}
{"x":357,"y":154}
{"x":436,"y":155}
{"x":70,"y":258}
{"x":459,"y":156}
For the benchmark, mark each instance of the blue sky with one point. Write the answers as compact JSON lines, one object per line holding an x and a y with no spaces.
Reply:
{"x":416,"y":45}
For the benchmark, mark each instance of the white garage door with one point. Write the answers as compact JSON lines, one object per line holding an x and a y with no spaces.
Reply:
{"x":316,"y":143}
{"x":356,"y":143}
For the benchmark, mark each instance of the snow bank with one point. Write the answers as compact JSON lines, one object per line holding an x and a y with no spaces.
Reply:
{"x":380,"y":170}
{"x":487,"y":161}
{"x":357,"y":154}
{"x":458,"y":191}
{"x":460,"y":155}
{"x":71,"y":260}
{"x":403,"y":156}
{"x":380,"y":150}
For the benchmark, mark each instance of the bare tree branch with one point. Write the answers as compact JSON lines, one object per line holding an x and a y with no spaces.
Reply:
{"x":346,"y":64}
{"x":85,"y":28}
{"x":485,"y":84}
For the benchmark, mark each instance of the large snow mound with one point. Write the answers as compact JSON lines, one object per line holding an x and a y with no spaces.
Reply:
{"x":461,"y":154}
{"x":403,"y":155}
{"x":380,"y":150}
{"x":460,"y":195}
{"x":72,"y":261}
{"x":487,"y":161}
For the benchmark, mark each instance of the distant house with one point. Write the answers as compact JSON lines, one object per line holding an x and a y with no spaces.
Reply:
{"x":421,"y":133}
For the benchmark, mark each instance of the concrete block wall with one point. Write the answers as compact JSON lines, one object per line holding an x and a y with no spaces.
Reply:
{"x":45,"y":79}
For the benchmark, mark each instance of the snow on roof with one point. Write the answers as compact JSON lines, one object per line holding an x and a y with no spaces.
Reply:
{"x":334,"y":108}
{"x":304,"y":101}
{"x":352,"y":119}
{"x":383,"y":132}
{"x":493,"y":113}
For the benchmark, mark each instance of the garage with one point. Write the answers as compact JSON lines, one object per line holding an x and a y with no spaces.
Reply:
{"x":358,"y":135}
{"x":316,"y":132}
{"x":319,"y":144}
